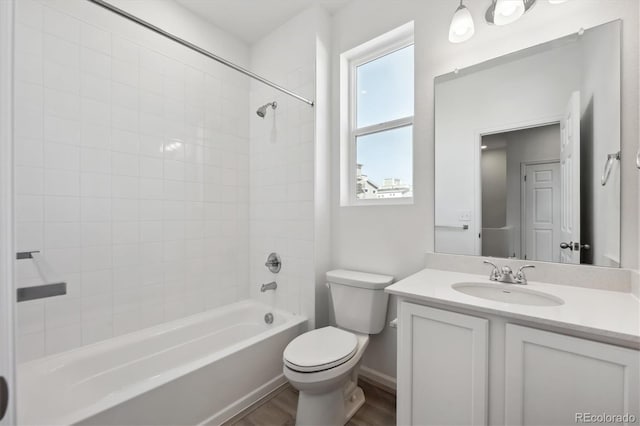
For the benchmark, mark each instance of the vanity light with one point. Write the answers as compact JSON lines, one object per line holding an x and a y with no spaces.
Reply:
{"x":508,"y":11}
{"x":461,"y":28}
{"x":503,"y":12}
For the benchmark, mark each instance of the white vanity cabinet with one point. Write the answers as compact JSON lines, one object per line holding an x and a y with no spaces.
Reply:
{"x":442,"y":367}
{"x":459,"y":368}
{"x":550,"y":378}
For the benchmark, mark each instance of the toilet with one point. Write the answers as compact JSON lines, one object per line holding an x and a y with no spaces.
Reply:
{"x":323,"y":364}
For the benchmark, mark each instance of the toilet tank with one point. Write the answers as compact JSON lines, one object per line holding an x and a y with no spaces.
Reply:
{"x":359,"y":300}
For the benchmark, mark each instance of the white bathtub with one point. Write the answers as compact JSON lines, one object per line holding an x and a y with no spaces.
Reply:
{"x":201,"y":369}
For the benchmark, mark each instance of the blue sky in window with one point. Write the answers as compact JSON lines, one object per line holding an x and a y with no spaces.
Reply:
{"x":387,"y":155}
{"x":385,"y":93}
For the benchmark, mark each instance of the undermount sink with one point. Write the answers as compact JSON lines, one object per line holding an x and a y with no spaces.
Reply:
{"x":508,"y":293}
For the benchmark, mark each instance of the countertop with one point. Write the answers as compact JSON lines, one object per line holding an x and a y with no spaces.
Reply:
{"x":612,"y":315}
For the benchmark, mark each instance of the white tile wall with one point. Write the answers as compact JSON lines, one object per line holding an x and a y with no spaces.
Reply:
{"x":282,"y":167}
{"x":131,"y":174}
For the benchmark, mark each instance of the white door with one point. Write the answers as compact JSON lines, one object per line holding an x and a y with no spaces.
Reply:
{"x":7,"y":297}
{"x":552,"y":379}
{"x":442,"y":367}
{"x":570,"y":182}
{"x":541,"y":212}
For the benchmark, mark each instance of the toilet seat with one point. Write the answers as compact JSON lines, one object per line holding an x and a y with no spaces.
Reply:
{"x":320,"y":349}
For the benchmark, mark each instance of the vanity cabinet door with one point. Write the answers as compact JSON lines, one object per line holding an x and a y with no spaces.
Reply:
{"x":550,"y":378}
{"x":442,"y":367}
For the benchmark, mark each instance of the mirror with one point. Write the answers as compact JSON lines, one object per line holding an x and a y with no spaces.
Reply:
{"x":527,"y":150}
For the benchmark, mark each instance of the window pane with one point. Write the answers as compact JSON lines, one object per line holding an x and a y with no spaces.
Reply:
{"x":385,"y":164}
{"x":385,"y":88}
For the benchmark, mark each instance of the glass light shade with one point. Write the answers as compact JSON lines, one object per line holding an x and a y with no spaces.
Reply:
{"x":508,"y":11}
{"x":461,"y":28}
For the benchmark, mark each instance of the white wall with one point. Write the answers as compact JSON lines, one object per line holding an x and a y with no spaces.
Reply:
{"x":282,"y":164}
{"x":405,"y":233}
{"x":322,"y":166}
{"x":600,"y":133}
{"x":172,"y":17}
{"x":529,"y":145}
{"x":131,"y":172}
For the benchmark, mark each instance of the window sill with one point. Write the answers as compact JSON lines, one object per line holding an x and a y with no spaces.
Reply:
{"x":405,"y":201}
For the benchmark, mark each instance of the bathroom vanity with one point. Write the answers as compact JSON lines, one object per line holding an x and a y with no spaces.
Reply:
{"x":475,"y":352}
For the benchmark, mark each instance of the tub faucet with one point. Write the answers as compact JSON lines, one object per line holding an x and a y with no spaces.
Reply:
{"x":270,"y":286}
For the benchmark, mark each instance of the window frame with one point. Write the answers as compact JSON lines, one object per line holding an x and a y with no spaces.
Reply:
{"x":376,"y":49}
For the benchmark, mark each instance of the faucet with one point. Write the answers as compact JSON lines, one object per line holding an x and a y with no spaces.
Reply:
{"x":270,"y":286}
{"x":506,"y":274}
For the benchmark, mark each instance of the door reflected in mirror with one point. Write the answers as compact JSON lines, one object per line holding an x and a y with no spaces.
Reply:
{"x":527,"y":153}
{"x":520,"y":188}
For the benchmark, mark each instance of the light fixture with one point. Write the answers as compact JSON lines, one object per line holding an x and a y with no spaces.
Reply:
{"x":461,"y":28}
{"x":557,"y":1}
{"x":503,"y":12}
{"x":483,"y":147}
{"x":507,"y":11}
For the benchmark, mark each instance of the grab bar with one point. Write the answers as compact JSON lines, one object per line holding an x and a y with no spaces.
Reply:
{"x":608,"y":166}
{"x":53,"y":287}
{"x":463,"y":227}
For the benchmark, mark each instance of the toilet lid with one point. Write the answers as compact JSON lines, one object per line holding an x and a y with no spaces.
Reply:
{"x":320,"y":349}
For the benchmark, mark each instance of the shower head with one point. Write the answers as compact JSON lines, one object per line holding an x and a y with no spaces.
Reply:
{"x":262,"y":111}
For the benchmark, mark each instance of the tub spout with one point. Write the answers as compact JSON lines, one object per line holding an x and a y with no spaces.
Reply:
{"x":270,"y":286}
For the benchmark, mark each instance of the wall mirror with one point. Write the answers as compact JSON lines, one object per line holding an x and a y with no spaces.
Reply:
{"x":527,"y":153}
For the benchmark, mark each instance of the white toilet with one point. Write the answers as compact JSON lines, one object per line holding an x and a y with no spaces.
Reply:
{"x":323,"y":364}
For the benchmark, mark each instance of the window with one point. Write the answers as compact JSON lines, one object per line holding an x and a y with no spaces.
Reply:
{"x":379,"y":84}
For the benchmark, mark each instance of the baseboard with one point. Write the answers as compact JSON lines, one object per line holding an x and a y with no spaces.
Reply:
{"x":378,"y":379}
{"x":246,"y":403}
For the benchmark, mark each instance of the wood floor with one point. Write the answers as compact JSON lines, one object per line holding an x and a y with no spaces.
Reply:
{"x":379,"y":409}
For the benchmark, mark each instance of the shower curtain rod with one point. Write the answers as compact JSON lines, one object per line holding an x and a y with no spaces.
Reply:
{"x":198,"y":49}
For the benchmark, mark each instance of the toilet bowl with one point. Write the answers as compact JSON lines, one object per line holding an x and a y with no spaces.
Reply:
{"x":323,"y":364}
{"x":328,"y":391}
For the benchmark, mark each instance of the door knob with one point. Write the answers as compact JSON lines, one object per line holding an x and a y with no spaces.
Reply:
{"x":4,"y":397}
{"x":575,"y":246}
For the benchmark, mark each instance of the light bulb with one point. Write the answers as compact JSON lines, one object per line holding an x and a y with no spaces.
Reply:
{"x":462,"y":27}
{"x":508,"y":11}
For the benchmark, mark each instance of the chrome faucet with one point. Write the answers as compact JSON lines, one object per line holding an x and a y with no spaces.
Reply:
{"x":269,"y":286}
{"x":506,"y":274}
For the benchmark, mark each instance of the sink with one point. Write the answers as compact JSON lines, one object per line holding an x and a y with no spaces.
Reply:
{"x":508,"y":293}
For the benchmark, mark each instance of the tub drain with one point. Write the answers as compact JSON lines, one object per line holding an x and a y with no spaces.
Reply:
{"x":268,"y":318}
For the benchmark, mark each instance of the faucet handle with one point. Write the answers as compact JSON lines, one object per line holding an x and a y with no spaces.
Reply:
{"x":495,"y":272}
{"x":520,"y":276}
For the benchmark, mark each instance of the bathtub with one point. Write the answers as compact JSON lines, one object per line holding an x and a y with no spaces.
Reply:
{"x":202,"y":369}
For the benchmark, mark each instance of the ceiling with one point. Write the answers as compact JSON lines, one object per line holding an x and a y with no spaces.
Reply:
{"x":249,"y":20}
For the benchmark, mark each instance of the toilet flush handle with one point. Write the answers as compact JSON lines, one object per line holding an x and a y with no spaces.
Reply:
{"x":393,"y":323}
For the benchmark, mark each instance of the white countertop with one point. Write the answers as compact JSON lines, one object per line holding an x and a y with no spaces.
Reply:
{"x":610,"y":314}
